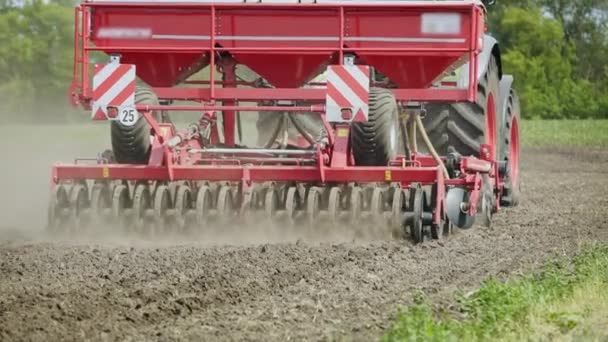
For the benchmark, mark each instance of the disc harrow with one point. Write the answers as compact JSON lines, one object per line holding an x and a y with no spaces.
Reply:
{"x":151,"y":210}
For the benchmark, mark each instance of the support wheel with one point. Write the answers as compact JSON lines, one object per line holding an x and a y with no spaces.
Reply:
{"x":131,"y":144}
{"x":377,"y":141}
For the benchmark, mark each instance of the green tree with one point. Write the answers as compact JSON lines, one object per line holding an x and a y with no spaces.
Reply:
{"x":35,"y":59}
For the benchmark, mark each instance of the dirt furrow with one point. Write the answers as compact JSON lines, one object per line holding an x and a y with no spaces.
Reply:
{"x":70,"y":290}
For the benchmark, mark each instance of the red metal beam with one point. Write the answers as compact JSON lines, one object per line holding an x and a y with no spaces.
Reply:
{"x":316,"y":95}
{"x":235,"y":173}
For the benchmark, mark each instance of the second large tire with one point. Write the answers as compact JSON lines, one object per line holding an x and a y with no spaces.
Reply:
{"x":462,"y":126}
{"x":378,"y":140}
{"x":131,"y":145}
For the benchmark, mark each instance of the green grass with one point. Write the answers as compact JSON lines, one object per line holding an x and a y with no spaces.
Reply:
{"x":567,"y":300}
{"x":578,"y":133}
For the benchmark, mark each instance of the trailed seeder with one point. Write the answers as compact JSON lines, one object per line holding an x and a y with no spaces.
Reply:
{"x":386,"y":116}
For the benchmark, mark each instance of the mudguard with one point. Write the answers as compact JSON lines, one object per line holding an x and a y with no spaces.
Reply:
{"x":490,"y":47}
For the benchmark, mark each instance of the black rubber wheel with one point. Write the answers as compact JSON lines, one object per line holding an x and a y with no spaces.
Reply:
{"x":508,"y":150}
{"x":377,"y":141}
{"x":131,"y":145}
{"x":462,"y":126}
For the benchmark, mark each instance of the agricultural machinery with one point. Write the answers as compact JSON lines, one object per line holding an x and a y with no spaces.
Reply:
{"x":392,"y":116}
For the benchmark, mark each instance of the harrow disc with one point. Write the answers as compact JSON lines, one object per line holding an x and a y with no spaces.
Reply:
{"x":293,"y":204}
{"x":271,"y":202}
{"x":356,"y":205}
{"x":417,"y":205}
{"x":120,"y":203}
{"x":184,"y":206}
{"x":249,"y":205}
{"x":377,"y":206}
{"x":162,"y":205}
{"x":58,"y":210}
{"x":313,"y":206}
{"x":397,"y":209}
{"x":141,"y":204}
{"x":204,"y":202}
{"x":79,"y":203}
{"x":225,"y":204}
{"x":101,"y":202}
{"x":444,"y":229}
{"x":334,"y":207}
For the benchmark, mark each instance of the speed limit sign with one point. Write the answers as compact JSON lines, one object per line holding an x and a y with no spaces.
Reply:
{"x":128,"y":116}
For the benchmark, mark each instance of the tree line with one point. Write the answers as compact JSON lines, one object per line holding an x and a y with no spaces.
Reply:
{"x":556,"y":49}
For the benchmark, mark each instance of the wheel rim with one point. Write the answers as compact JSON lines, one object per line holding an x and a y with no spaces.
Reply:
{"x":514,"y":153}
{"x":491,"y":125}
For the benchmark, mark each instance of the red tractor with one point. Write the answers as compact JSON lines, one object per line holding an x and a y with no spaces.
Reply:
{"x":392,"y":116}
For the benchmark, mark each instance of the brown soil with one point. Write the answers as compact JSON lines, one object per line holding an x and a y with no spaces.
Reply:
{"x":120,"y":290}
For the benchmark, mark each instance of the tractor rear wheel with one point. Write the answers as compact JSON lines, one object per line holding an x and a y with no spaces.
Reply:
{"x":378,"y":140}
{"x":509,"y":151}
{"x":464,"y":126}
{"x":131,"y":145}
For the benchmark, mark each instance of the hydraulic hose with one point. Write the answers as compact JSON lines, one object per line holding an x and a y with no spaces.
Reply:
{"x":429,"y":145}
{"x":276,"y":132}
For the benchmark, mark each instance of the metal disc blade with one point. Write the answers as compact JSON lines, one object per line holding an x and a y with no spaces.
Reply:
{"x":453,"y":199}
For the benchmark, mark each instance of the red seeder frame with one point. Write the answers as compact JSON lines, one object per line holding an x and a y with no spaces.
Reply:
{"x":334,"y":162}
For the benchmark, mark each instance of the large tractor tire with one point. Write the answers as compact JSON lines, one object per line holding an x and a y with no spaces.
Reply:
{"x":508,"y":150}
{"x":131,"y":145}
{"x":377,"y":141}
{"x":464,"y":126}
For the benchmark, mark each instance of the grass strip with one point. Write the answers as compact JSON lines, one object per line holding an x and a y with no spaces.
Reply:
{"x":567,"y":298}
{"x":576,"y":133}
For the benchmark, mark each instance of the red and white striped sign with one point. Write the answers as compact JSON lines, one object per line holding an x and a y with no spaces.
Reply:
{"x":113,"y":86}
{"x":347,"y":93}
